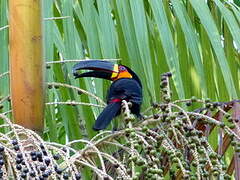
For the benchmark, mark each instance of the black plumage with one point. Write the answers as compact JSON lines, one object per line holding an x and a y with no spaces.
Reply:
{"x":126,"y":86}
{"x":121,"y":89}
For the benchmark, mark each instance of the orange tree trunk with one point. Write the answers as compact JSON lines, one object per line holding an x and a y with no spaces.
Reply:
{"x":26,"y":63}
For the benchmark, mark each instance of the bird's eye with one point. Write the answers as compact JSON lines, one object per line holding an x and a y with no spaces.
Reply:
{"x":122,"y":68}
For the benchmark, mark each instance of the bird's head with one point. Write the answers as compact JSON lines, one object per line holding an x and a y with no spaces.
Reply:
{"x":102,"y":69}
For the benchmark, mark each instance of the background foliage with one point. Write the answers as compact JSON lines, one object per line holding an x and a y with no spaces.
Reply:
{"x":198,"y":41}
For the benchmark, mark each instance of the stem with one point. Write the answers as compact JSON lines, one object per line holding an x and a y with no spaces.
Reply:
{"x":26,"y":63}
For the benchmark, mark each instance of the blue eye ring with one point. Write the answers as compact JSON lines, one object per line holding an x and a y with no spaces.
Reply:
{"x":122,"y":68}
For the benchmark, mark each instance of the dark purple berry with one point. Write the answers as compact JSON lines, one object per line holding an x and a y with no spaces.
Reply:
{"x":40,"y":159}
{"x":18,"y":167}
{"x":1,"y":148}
{"x":33,"y":153}
{"x":45,"y":174}
{"x":64,"y":149}
{"x":19,"y":155}
{"x":56,"y":156}
{"x":78,"y":176}
{"x":19,"y":160}
{"x":65,"y":176}
{"x":25,"y":170}
{"x":23,"y":175}
{"x":39,"y":154}
{"x":41,"y":146}
{"x":168,"y":74}
{"x":32,"y":174}
{"x":1,"y":162}
{"x":47,"y":161}
{"x":49,"y":172}
{"x":41,"y":178}
{"x":58,"y":171}
{"x":156,"y":116}
{"x":44,"y":152}
{"x":34,"y":158}
{"x":16,"y":147}
{"x":42,"y":167}
{"x":14,"y":142}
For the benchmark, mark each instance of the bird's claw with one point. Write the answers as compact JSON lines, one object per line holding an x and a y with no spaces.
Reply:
{"x":114,"y":130}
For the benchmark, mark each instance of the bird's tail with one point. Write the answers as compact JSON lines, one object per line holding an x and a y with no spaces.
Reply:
{"x":107,"y":115}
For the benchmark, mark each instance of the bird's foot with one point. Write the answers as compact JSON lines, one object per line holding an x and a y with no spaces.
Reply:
{"x":114,"y":130}
{"x":141,"y":117}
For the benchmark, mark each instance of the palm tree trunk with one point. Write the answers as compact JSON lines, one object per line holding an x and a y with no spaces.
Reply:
{"x":26,"y":63}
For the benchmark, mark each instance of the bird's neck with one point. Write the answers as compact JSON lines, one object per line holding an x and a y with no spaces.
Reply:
{"x":122,"y":75}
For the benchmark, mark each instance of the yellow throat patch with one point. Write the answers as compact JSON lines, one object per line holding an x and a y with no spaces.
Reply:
{"x":115,"y":73}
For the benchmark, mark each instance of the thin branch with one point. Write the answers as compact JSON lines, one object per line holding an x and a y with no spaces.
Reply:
{"x":4,"y":27}
{"x":4,"y":99}
{"x":72,"y":103}
{"x":77,"y":60}
{"x":4,"y":74}
{"x":78,"y":89}
{"x":56,"y":18}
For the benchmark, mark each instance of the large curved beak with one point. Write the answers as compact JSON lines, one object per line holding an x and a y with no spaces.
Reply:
{"x":100,"y":69}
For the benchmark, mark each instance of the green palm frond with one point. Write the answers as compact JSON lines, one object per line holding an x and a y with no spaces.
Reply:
{"x":198,"y":41}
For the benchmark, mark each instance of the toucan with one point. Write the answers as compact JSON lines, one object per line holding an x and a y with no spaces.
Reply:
{"x":126,"y":85}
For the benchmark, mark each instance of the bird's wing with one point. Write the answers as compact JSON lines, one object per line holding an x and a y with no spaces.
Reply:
{"x":128,"y":88}
{"x":107,"y":115}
